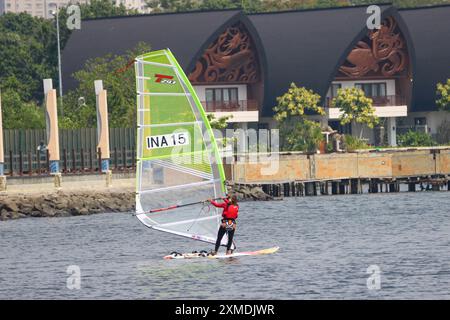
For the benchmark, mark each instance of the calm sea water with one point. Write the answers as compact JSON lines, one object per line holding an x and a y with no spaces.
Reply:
{"x":327,"y":244}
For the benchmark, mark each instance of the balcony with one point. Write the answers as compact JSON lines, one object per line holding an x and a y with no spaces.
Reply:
{"x":385,"y":106}
{"x":230,"y":106}
{"x":384,"y":101}
{"x":241,"y":110}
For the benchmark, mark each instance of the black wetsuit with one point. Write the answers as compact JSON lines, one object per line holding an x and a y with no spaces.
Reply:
{"x":220,"y":235}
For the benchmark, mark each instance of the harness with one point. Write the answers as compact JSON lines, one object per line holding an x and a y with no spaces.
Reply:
{"x":229,"y":224}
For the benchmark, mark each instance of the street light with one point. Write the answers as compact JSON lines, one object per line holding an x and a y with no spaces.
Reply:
{"x":55,"y":14}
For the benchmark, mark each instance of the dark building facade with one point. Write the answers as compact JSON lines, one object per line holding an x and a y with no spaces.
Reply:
{"x":240,"y":63}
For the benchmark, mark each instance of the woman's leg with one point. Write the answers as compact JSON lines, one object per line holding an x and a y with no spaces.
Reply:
{"x":220,"y":235}
{"x":230,"y":239}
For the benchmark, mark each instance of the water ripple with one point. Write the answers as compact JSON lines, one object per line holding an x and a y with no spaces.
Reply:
{"x":327,"y":244}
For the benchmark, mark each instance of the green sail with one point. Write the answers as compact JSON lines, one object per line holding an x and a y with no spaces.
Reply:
{"x":178,"y":161}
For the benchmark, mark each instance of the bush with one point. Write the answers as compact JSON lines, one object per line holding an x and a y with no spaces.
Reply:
{"x":415,"y":139}
{"x":354,"y":143}
{"x":303,"y":135}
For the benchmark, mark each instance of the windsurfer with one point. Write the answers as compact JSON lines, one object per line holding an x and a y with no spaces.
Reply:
{"x":228,"y":225}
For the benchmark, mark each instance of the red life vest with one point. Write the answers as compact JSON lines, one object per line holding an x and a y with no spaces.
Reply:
{"x":231,"y":212}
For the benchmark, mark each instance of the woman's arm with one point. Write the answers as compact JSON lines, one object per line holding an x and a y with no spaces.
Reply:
{"x":218,"y":205}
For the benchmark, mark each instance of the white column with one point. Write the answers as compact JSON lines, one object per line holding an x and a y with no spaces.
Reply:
{"x":244,"y":145}
{"x":392,"y":131}
{"x":241,"y":134}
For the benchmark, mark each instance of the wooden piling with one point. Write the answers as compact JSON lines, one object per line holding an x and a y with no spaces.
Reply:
{"x":334,"y":187}
{"x":309,"y":189}
{"x":325,"y":188}
{"x":392,"y":187}
{"x":373,"y":186}
{"x":341,"y":187}
{"x":354,"y":186}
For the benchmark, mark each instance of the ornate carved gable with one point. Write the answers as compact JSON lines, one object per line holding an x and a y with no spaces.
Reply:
{"x":381,"y":53}
{"x":231,"y":58}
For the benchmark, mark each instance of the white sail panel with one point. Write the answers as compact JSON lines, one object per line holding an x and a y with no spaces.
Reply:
{"x":177,"y":157}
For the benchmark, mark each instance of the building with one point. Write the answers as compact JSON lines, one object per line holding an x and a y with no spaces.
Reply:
{"x":37,"y":8}
{"x":240,"y":63}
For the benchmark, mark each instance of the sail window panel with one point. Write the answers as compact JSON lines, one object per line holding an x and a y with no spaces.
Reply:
{"x":169,"y":174}
{"x":182,"y":218}
{"x":204,"y":227}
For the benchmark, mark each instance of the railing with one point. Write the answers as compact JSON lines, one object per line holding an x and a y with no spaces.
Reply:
{"x":416,"y":128}
{"x":379,"y":101}
{"x":27,"y":140}
{"x":71,"y":162}
{"x":227,"y":106}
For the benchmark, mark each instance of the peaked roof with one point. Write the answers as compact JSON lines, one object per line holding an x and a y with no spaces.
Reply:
{"x":184,"y":33}
{"x":307,"y":47}
{"x":429,"y":28}
{"x":304,"y":46}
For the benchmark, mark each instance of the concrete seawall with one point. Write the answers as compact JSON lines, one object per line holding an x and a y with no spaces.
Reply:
{"x":292,"y":175}
{"x":78,"y":195}
{"x":391,"y":164}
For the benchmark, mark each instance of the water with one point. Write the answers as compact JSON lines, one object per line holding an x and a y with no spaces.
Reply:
{"x":327,"y":244}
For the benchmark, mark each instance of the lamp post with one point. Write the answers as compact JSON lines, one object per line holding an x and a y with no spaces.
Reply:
{"x":55,"y":14}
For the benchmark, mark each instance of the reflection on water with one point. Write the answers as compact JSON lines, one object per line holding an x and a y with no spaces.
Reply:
{"x":327,"y":244}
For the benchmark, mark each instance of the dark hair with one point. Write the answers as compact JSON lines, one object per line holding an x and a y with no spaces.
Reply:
{"x":234,"y":199}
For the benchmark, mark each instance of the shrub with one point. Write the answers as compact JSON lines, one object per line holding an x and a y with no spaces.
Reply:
{"x":354,"y":143}
{"x":415,"y":139}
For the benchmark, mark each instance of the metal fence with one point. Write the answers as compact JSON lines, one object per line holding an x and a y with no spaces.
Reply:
{"x":27,"y":140}
{"x":78,"y":153}
{"x":83,"y":161}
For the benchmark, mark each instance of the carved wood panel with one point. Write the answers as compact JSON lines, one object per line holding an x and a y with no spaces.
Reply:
{"x":381,"y":52}
{"x":230,"y":58}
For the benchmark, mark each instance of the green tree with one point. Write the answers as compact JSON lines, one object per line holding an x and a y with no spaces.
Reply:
{"x":26,"y":44}
{"x":218,"y":124}
{"x":104,"y":8}
{"x":401,"y":3}
{"x":118,"y":79}
{"x":19,"y":114}
{"x":443,"y":95}
{"x":251,"y":6}
{"x":355,"y":108}
{"x":296,"y":132}
{"x":171,"y":5}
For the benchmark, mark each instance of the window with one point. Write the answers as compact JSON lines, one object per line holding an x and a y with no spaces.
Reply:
{"x":221,"y":98}
{"x":334,"y":89}
{"x":373,"y":89}
{"x":263,"y":126}
{"x":222,"y":95}
{"x":422,"y":121}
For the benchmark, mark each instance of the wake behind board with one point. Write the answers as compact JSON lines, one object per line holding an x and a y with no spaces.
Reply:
{"x":220,"y":256}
